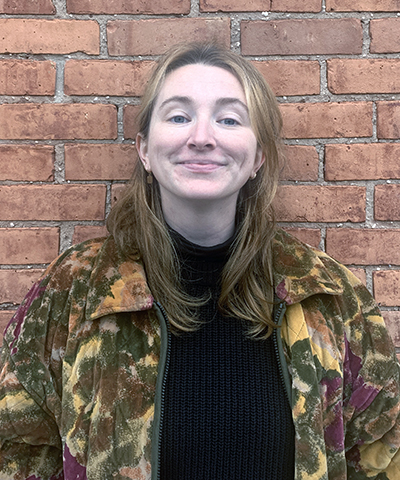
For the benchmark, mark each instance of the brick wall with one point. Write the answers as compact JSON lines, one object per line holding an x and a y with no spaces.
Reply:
{"x":72,"y":72}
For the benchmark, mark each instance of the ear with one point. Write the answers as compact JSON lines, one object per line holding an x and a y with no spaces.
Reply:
{"x":259,"y":160}
{"x":141,"y":147}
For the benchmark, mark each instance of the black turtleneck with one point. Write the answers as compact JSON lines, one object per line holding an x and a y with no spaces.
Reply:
{"x":226,"y":414}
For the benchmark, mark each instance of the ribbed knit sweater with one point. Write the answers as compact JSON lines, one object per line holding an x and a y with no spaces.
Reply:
{"x":226,"y":413}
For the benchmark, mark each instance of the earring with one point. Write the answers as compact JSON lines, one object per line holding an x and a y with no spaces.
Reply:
{"x":149,"y":178}
{"x":253,"y":175}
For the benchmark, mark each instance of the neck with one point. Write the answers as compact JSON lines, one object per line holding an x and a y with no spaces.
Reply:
{"x":206,"y":224}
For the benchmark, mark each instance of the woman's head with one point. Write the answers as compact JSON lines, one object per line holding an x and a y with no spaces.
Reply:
{"x":263,"y":110}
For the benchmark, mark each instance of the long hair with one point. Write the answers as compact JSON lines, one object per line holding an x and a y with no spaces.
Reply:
{"x":137,"y":223}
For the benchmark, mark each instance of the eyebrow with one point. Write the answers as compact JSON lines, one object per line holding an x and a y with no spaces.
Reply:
{"x":220,"y":102}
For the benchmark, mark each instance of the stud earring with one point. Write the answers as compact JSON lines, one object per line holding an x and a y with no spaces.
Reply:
{"x":253,"y":175}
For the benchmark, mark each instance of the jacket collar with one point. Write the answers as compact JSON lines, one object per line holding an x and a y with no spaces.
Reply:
{"x":119,"y":285}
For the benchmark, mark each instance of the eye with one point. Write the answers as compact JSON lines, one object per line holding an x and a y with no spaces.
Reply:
{"x":178,"y":119}
{"x":229,"y":121}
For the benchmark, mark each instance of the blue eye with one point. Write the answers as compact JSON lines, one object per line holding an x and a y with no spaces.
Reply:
{"x":178,"y":119}
{"x":229,"y":121}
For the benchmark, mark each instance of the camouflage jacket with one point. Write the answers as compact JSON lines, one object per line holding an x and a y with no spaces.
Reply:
{"x":85,"y":357}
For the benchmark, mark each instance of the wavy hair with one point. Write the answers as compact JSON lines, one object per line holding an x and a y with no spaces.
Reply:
{"x":137,"y":223}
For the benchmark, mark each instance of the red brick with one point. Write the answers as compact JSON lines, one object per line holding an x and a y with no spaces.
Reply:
{"x":134,"y":7}
{"x":327,"y":120}
{"x":291,"y":77}
{"x":130,"y":125}
{"x":234,"y":5}
{"x":154,"y":37}
{"x":116,"y":191}
{"x":362,"y":5}
{"x":52,"y":202}
{"x":301,"y":163}
{"x":387,"y":202}
{"x":302,"y":37}
{"x":99,"y":161}
{"x":28,"y":245}
{"x":15,"y":284}
{"x":311,"y":236}
{"x":26,"y":7}
{"x":385,"y":35}
{"x":103,"y":77}
{"x":296,"y":6}
{"x":26,"y":77}
{"x":364,"y":246}
{"x":260,"y":5}
{"x":38,"y":36}
{"x":309,"y":203}
{"x":392,"y":321}
{"x":58,"y":121}
{"x":85,"y":232}
{"x":387,"y":287}
{"x":26,"y":162}
{"x":388,"y":123}
{"x":364,"y":75}
{"x":5,"y":317}
{"x":359,"y":273}
{"x":369,"y":161}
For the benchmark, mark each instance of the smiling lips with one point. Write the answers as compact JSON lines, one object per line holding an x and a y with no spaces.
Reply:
{"x":201,"y":166}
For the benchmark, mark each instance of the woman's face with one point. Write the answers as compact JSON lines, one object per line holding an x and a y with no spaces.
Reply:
{"x":200,"y":146}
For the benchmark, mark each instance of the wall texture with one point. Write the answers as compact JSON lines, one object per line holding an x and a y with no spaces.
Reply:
{"x":71,"y":76}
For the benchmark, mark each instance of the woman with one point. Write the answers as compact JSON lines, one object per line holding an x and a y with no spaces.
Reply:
{"x":197,"y":341}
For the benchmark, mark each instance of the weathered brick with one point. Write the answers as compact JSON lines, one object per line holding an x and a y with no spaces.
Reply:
{"x":362,"y":5}
{"x":28,"y":245}
{"x":385,"y":35}
{"x":234,"y":5}
{"x":154,"y":37}
{"x":392,"y":321}
{"x":364,"y":246}
{"x":260,"y":5}
{"x":388,"y":120}
{"x":134,"y":7}
{"x":27,"y":7}
{"x":52,"y":202}
{"x":26,"y":77}
{"x":387,"y":287}
{"x":15,"y":284}
{"x":387,"y":202}
{"x":291,"y":77}
{"x":130,"y":124}
{"x":364,"y":75}
{"x":5,"y":317}
{"x":296,"y":6}
{"x":301,"y":163}
{"x":369,"y":161}
{"x":311,"y":236}
{"x":26,"y":162}
{"x":116,"y":191}
{"x":58,"y":121}
{"x":104,"y":77}
{"x":327,"y":120}
{"x":301,"y":37}
{"x":38,"y":36}
{"x":309,"y":203}
{"x":99,"y":161}
{"x":359,"y":273}
{"x":85,"y":232}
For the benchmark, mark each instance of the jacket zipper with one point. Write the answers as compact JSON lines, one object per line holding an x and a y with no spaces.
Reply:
{"x":163,"y":387}
{"x":280,"y":356}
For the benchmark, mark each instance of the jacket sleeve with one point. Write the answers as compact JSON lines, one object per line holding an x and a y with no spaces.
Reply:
{"x":371,"y":392}
{"x":30,"y":444}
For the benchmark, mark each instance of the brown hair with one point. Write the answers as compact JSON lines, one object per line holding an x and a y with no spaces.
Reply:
{"x":137,"y":222}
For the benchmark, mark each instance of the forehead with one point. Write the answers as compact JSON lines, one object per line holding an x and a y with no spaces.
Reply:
{"x":201,"y":82}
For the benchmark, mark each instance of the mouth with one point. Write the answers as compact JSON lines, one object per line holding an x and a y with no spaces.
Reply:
{"x":201,"y":166}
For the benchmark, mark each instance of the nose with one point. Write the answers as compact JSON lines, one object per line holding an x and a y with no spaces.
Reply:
{"x":202,"y":135}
